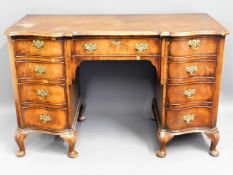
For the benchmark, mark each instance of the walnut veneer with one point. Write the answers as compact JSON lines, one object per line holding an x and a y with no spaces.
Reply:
{"x":186,"y":50}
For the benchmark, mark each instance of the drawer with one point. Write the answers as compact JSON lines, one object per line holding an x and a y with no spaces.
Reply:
{"x":193,"y":46}
{"x":182,"y":94}
{"x":39,"y":93}
{"x":45,"y":119}
{"x":192,"y":69}
{"x":188,"y":117}
{"x":38,"y":47}
{"x":38,"y":70}
{"x":103,"y":46}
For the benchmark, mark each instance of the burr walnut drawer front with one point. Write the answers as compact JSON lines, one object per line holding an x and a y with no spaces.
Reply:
{"x":193,"y":46}
{"x":103,"y":46}
{"x":182,"y":94}
{"x":45,"y":119}
{"x":42,"y":93}
{"x":38,"y":70}
{"x":192,"y":69}
{"x":178,"y":119}
{"x":38,"y":47}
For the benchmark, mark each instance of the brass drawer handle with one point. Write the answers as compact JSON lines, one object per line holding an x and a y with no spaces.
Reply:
{"x":194,"y":44}
{"x":45,"y":118}
{"x":89,"y":47}
{"x":40,"y":70}
{"x":141,"y":47}
{"x":191,"y":70}
{"x":116,"y":42}
{"x":189,"y":93}
{"x":42,"y":93}
{"x":39,"y":44}
{"x":189,"y":118}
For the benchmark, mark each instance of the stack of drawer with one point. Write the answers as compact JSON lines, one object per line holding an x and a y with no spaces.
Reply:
{"x":41,"y":83}
{"x":191,"y":83}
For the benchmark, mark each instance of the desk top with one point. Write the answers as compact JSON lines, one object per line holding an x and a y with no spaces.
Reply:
{"x":76,"y":25}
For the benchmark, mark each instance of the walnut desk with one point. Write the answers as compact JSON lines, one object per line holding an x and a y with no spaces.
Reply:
{"x":186,"y":50}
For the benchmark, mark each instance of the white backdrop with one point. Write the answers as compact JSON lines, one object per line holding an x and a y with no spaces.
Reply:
{"x":117,"y":138}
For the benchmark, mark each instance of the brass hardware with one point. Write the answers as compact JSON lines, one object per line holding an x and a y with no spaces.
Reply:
{"x":141,"y":47}
{"x":188,"y":118}
{"x":40,"y":70}
{"x":189,"y":93}
{"x":116,"y":42}
{"x":42,"y":93}
{"x":89,"y":47}
{"x":45,"y":118}
{"x":191,"y":70}
{"x":194,"y":44}
{"x":39,"y":44}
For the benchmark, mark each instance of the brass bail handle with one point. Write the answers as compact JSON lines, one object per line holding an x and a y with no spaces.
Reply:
{"x":194,"y":43}
{"x":90,"y":47}
{"x":38,"y":44}
{"x":40,"y":70}
{"x":141,"y":47}
{"x":45,"y":118}
{"x":191,"y":70}
{"x":189,"y":118}
{"x":42,"y":93}
{"x":189,"y":93}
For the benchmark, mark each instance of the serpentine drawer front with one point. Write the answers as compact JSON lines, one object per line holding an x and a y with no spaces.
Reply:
{"x":45,"y":119}
{"x":38,"y":47}
{"x":185,"y":49}
{"x":40,"y":70}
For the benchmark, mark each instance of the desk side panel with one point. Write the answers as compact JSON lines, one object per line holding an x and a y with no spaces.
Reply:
{"x":218,"y":74}
{"x":15,"y":81}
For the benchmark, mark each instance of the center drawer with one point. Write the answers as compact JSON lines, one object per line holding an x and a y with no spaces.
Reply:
{"x":42,"y":93}
{"x":46,"y":119}
{"x":115,"y":46}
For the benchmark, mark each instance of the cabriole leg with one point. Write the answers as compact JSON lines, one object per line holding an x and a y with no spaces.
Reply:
{"x":20,"y":137}
{"x":164,"y":138}
{"x":214,"y":137}
{"x":70,"y":138}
